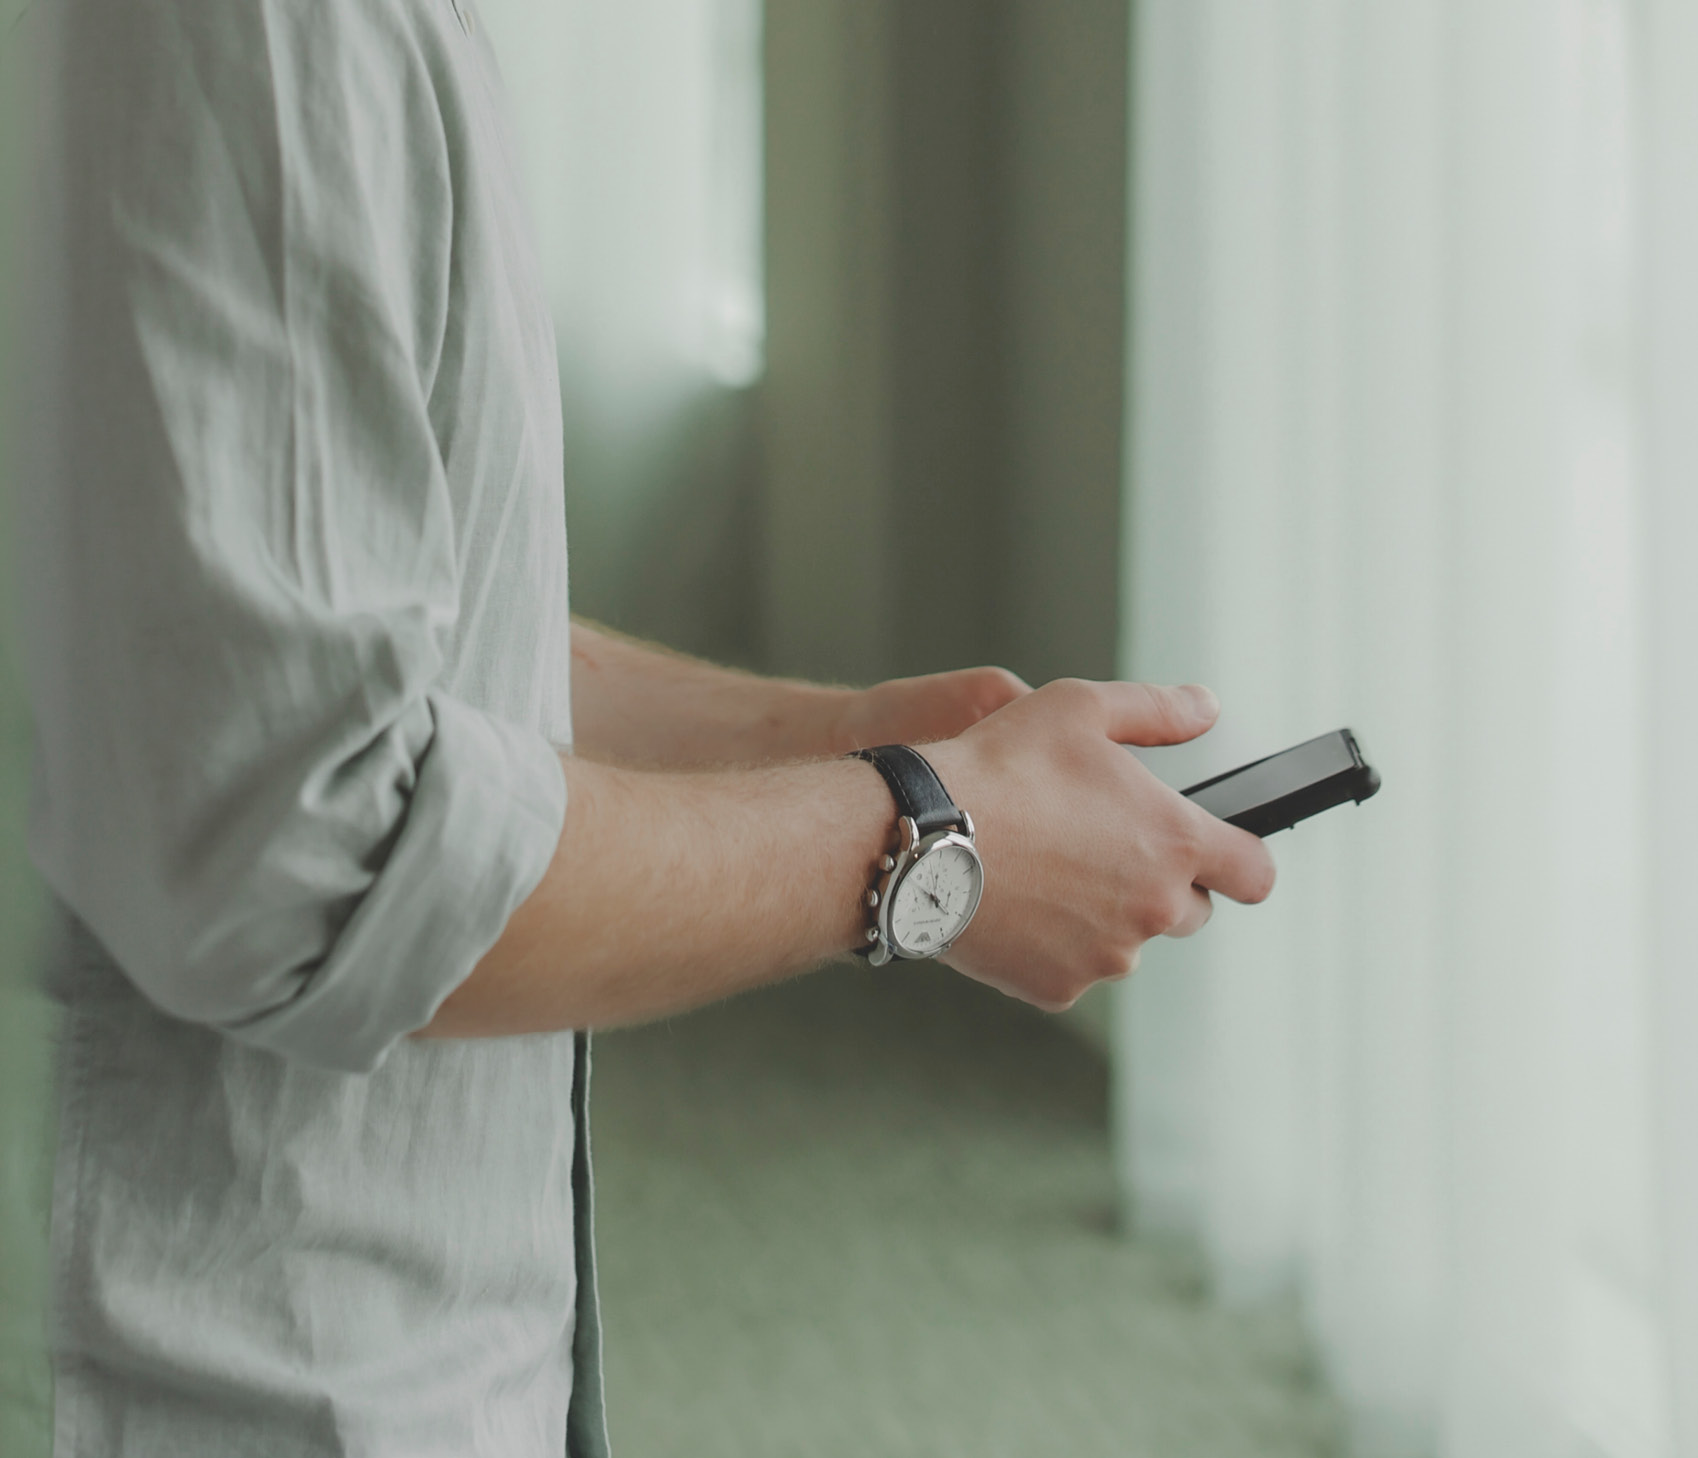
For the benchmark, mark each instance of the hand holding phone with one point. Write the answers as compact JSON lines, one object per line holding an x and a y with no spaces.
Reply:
{"x":1273,"y":794}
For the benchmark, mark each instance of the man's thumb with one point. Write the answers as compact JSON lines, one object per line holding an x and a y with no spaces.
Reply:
{"x":1151,"y":713}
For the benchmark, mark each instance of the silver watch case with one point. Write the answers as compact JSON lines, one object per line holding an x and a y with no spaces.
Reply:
{"x":896,"y":868}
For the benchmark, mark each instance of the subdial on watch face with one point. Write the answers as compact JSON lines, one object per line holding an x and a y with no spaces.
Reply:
{"x":934,"y":900}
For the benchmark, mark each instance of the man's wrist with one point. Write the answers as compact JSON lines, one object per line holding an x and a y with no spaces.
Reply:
{"x":811,"y":721}
{"x":928,"y":888}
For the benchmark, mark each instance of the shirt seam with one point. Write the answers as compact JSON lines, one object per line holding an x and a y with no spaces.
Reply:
{"x":285,"y":294}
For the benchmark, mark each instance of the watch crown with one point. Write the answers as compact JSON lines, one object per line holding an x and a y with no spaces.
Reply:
{"x":872,"y":933}
{"x":887,"y":863}
{"x":872,"y":898}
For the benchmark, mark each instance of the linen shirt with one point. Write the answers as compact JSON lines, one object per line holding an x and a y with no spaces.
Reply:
{"x":299,"y":668}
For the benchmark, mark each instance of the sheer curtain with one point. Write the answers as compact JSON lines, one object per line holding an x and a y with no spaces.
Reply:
{"x":1414,"y":390}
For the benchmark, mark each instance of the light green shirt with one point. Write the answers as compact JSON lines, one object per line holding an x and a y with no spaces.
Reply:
{"x":299,"y":664}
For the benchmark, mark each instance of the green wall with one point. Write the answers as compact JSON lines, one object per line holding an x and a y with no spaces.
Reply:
{"x":25,"y":1031}
{"x":25,"y":1022}
{"x":940,"y":421}
{"x":940,"y":427}
{"x":639,"y":140}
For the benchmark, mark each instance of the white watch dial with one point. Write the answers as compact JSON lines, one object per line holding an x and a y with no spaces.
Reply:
{"x":935,"y":899}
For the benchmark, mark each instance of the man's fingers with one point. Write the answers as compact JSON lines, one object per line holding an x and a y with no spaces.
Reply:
{"x":990,"y":688}
{"x":1196,"y":916}
{"x":1153,"y":713}
{"x":1234,"y":862}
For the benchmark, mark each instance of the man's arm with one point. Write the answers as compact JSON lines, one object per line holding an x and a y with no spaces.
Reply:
{"x":669,"y":890}
{"x":639,"y":704}
{"x":256,"y":790}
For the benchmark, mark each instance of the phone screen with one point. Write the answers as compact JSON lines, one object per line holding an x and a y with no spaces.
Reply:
{"x":1276,"y":776}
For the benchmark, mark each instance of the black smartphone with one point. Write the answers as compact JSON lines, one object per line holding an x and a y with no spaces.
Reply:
{"x":1275,"y":793}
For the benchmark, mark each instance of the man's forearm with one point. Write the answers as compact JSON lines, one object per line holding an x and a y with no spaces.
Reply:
{"x":669,"y":890}
{"x":634,"y":703}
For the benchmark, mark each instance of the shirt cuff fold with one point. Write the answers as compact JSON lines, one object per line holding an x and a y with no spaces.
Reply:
{"x":482,"y":825}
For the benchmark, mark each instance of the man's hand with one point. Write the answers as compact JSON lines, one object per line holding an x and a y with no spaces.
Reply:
{"x":1087,"y":855}
{"x":637,"y":704}
{"x":672,"y":889}
{"x":921,"y":710}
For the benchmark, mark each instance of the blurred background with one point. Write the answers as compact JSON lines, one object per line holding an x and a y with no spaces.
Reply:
{"x":1343,"y":356}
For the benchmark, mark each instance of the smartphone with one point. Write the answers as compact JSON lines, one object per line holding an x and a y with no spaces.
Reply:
{"x":1275,"y":793}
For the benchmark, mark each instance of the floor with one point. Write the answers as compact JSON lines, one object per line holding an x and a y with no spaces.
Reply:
{"x":870,"y":1213}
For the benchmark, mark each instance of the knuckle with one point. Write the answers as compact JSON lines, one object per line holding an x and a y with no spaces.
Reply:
{"x":1186,"y":845}
{"x":1112,"y":962}
{"x":1180,"y":903}
{"x":991,"y":688}
{"x":1178,"y":713}
{"x":1128,"y":965}
{"x":1159,"y":700}
{"x":1157,"y":708}
{"x":1152,"y":918}
{"x":1072,"y":693}
{"x":1053,"y":995}
{"x":1165,"y":910}
{"x":1256,"y":883}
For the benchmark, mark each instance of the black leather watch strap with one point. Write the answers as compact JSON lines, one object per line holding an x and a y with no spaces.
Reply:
{"x":919,"y":793}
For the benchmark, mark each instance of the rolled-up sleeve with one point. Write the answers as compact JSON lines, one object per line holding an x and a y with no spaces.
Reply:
{"x":480,"y":825}
{"x":253,"y":785}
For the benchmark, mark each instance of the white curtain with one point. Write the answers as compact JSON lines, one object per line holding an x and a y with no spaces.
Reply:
{"x":1414,"y":448}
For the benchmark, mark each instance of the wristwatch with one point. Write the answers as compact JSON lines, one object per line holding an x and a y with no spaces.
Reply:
{"x":928,"y":890}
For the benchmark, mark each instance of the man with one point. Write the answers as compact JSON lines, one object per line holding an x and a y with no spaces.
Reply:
{"x":337,"y":889}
